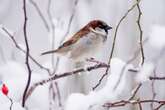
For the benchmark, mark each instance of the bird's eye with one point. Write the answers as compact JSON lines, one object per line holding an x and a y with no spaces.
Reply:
{"x":101,"y":26}
{"x":105,"y":27}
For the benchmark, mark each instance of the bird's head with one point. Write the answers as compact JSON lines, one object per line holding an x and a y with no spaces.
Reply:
{"x":100,"y":24}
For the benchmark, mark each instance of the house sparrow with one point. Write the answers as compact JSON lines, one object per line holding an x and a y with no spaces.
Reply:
{"x":85,"y":42}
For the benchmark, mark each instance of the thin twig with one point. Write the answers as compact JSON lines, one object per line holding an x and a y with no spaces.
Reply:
{"x":140,"y":105}
{"x":58,"y":94}
{"x":54,"y":65}
{"x":113,"y":44}
{"x":125,"y":102}
{"x":27,"y":54}
{"x":11,"y":101}
{"x":24,"y":51}
{"x":150,"y":77}
{"x":40,"y":14}
{"x":153,"y":90}
{"x":135,"y":91}
{"x":70,"y":21}
{"x":52,"y":95}
{"x":52,"y":31}
{"x":93,"y":60}
{"x":157,"y":108}
{"x":141,"y":32}
{"x":156,"y":78}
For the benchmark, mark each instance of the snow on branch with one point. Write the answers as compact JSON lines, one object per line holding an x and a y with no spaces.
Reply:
{"x":56,"y":76}
{"x":107,"y":93}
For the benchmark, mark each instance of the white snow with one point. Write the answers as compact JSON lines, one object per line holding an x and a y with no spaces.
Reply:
{"x":15,"y":106}
{"x":5,"y":103}
{"x":78,"y":101}
{"x":145,"y":71}
{"x":14,"y":76}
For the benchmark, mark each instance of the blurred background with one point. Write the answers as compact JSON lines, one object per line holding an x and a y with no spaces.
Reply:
{"x":51,"y":22}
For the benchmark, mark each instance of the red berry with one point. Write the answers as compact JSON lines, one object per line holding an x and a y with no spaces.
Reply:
{"x":5,"y":89}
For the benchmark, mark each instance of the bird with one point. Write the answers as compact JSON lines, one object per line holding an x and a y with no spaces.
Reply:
{"x":84,"y":43}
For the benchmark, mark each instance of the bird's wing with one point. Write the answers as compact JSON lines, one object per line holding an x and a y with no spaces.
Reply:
{"x":73,"y":40}
{"x":67,"y":45}
{"x":64,"y":48}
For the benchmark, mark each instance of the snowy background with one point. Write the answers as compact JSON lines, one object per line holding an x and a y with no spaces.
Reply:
{"x":52,"y":21}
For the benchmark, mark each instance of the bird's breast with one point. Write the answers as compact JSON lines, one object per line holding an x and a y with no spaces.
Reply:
{"x":86,"y":47}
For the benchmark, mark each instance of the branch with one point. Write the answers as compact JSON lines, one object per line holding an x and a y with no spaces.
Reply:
{"x":22,"y":50}
{"x":40,"y":14}
{"x":125,"y":102}
{"x":70,"y":21}
{"x":66,"y":74}
{"x":53,"y":86}
{"x":151,"y":77}
{"x":140,"y":105}
{"x":27,"y":53}
{"x":114,"y":40}
{"x":11,"y":101}
{"x":156,"y":78}
{"x":153,"y":90}
{"x":52,"y":31}
{"x":55,"y":65}
{"x":157,"y":108}
{"x":58,"y":94}
{"x":141,"y":32}
{"x":135,"y":91}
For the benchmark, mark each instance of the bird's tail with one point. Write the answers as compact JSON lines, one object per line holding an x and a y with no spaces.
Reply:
{"x":59,"y":51}
{"x":49,"y":52}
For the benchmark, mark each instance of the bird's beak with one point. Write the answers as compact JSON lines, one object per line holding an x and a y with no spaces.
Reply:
{"x":108,"y":27}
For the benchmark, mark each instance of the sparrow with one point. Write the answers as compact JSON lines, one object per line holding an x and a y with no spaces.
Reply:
{"x":85,"y":43}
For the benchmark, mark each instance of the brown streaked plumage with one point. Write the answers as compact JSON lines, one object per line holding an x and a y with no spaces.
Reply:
{"x":82,"y":33}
